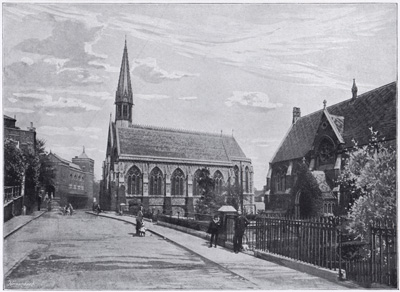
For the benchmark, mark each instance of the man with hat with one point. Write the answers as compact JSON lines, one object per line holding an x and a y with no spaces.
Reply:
{"x":241,"y":223}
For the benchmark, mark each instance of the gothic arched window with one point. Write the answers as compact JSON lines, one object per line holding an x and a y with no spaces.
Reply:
{"x":134,"y":181}
{"x":219,"y":182}
{"x":156,"y":182}
{"x":196,"y":187}
{"x":247,"y":179}
{"x":236,"y":173}
{"x":177,"y":183}
{"x":326,"y":151}
{"x":125,"y":111}
{"x":280,"y":180}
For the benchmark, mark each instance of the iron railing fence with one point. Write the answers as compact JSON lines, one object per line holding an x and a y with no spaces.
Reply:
{"x":380,"y":265}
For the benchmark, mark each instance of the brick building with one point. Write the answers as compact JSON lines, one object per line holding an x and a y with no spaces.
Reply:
{"x":24,"y":138}
{"x":73,"y":182}
{"x":159,"y":167}
{"x":321,"y":140}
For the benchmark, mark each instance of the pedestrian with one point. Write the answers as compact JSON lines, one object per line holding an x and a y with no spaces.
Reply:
{"x":139,"y":220}
{"x":241,"y":223}
{"x":71,"y":210}
{"x":213,"y":229}
{"x":94,"y":205}
{"x":98,"y":209}
{"x":39,"y":200}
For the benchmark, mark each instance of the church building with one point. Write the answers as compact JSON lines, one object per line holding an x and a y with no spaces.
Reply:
{"x":321,"y":140}
{"x":158,"y":167}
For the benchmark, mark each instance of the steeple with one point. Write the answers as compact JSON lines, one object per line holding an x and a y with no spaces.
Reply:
{"x":123,"y":95}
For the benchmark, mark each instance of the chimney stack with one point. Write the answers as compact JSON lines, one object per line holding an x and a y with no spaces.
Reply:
{"x":296,"y":114}
{"x":354,"y":90}
{"x":32,"y":128}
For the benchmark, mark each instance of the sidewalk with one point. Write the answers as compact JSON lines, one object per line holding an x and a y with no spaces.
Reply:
{"x":17,"y":222}
{"x":265,"y":274}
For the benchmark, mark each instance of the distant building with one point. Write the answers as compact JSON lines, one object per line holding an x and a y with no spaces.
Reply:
{"x":25,"y":139}
{"x":159,"y":167}
{"x":73,"y":182}
{"x":321,"y":140}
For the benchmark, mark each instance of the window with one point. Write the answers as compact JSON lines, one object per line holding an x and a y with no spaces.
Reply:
{"x":247,"y":180}
{"x":125,"y":111}
{"x":177,"y":183}
{"x":156,"y":182}
{"x":236,"y":173}
{"x":196,"y":187}
{"x":119,"y":110}
{"x":326,"y":151}
{"x":134,"y":180}
{"x":280,"y":180}
{"x":219,"y":182}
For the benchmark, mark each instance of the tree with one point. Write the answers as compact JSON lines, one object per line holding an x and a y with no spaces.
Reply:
{"x":311,"y":202}
{"x":370,"y":173}
{"x":14,"y":164}
{"x":209,"y":202}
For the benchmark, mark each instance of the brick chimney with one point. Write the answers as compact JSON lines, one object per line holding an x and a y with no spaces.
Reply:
{"x":354,"y":90}
{"x":32,"y":128}
{"x":296,"y":114}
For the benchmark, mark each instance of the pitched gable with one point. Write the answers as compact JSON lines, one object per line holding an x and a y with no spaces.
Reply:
{"x":352,"y":118}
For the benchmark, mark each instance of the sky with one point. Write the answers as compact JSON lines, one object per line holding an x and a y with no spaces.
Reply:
{"x":235,"y":68}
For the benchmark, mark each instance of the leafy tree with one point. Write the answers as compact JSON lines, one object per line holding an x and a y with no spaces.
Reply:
{"x":14,"y":164}
{"x":209,"y":202}
{"x":370,"y":173}
{"x":311,"y":203}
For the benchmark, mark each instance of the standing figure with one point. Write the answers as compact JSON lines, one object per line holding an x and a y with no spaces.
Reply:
{"x":139,"y":220}
{"x":213,"y":229}
{"x":241,"y":223}
{"x":39,"y":201}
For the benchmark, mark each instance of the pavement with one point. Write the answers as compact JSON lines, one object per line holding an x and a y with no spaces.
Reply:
{"x":17,"y":222}
{"x":243,"y":264}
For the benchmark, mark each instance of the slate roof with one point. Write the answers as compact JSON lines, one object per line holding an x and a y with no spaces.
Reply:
{"x":376,"y":109}
{"x":170,"y":143}
{"x":72,"y":165}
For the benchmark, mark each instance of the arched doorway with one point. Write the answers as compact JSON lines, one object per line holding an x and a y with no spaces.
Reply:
{"x":51,"y":190}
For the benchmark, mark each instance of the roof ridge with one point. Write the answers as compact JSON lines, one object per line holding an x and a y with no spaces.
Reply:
{"x":348,"y":100}
{"x":176,"y":130}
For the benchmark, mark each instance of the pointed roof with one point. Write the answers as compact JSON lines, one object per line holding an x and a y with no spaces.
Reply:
{"x":83,"y":155}
{"x":124,"y":90}
{"x":352,"y":119}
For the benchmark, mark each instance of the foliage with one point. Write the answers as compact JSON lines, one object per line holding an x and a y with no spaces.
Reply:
{"x":311,"y":204}
{"x":209,"y":202}
{"x":233,"y":196}
{"x":14,"y":164}
{"x":370,"y":173}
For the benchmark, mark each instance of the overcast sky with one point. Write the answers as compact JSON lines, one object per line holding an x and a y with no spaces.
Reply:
{"x":203,"y":67}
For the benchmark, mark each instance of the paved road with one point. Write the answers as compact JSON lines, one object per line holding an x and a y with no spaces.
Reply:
{"x":85,"y":252}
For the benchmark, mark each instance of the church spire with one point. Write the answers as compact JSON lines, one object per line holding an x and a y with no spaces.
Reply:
{"x":123,"y":95}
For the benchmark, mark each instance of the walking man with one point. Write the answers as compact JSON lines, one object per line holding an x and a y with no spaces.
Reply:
{"x":241,"y":223}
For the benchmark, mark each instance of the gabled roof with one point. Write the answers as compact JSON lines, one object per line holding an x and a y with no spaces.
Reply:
{"x":376,"y":109}
{"x":149,"y":141}
{"x":72,"y":165}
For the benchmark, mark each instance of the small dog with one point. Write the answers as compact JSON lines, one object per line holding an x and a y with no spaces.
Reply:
{"x":142,"y":231}
{"x":245,"y":247}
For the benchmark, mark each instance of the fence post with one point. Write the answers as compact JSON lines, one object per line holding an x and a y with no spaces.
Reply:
{"x":340,"y":249}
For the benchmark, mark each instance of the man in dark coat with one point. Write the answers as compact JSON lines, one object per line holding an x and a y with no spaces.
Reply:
{"x":39,"y":201}
{"x":213,"y":229}
{"x":241,"y":223}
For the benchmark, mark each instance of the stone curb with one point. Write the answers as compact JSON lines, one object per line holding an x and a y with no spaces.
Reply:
{"x":23,"y":224}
